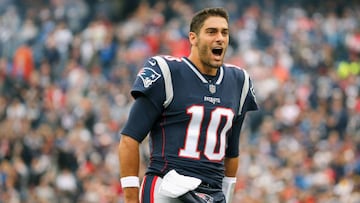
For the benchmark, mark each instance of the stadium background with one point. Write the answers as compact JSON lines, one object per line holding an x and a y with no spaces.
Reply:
{"x":66,"y":67}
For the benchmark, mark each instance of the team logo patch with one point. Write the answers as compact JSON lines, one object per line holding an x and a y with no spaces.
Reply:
{"x":148,"y":76}
{"x":207,"y":198}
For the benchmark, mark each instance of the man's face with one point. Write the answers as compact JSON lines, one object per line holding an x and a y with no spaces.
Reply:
{"x":212,"y":41}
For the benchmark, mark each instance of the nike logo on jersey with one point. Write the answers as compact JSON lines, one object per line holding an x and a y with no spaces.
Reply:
{"x":152,"y":62}
{"x":212,"y":100}
{"x":148,"y":76}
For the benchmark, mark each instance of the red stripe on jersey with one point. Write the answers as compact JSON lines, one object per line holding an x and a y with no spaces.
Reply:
{"x":142,"y":189}
{"x":152,"y":194}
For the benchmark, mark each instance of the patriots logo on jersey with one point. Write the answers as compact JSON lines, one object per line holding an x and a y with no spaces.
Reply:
{"x":148,"y":76}
{"x":207,"y":198}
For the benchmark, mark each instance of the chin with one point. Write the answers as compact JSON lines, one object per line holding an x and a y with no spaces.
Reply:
{"x":217,"y":64}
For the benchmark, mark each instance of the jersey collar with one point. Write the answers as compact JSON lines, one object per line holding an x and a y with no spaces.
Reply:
{"x":220,"y":74}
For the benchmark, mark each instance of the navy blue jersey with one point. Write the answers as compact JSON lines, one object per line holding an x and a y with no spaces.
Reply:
{"x":194,"y":130}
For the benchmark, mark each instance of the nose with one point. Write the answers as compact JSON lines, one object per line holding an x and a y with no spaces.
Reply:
{"x":220,"y":37}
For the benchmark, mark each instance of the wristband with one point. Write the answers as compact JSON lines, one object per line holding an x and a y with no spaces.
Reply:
{"x":130,"y":181}
{"x":228,"y":187}
{"x":229,"y":179}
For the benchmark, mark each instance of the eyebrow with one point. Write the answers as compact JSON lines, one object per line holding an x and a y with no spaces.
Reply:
{"x":215,"y":28}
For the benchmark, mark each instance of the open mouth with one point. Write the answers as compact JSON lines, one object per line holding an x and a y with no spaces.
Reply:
{"x":217,"y":51}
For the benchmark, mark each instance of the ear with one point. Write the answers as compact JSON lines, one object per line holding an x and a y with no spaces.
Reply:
{"x":193,"y":38}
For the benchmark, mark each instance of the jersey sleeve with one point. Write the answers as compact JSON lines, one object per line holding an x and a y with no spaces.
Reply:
{"x":142,"y":116}
{"x":247,"y":103}
{"x":150,"y":83}
{"x":248,"y":98}
{"x":233,"y":139}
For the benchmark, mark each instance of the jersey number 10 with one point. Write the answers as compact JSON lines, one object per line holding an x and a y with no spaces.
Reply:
{"x":190,"y":149}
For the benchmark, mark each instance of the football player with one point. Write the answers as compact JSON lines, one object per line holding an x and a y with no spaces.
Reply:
{"x":192,"y":108}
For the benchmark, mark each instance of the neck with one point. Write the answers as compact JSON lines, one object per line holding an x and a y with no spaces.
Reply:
{"x":203,"y":68}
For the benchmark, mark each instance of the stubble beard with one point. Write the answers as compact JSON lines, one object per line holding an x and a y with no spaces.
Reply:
{"x":205,"y":54}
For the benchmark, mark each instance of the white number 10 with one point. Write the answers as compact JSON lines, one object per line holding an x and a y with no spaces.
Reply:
{"x":190,"y":150}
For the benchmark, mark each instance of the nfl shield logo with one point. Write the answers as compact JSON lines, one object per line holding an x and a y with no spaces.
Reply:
{"x":212,"y":88}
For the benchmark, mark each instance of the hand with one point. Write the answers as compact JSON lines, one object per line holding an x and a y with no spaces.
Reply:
{"x":131,"y":195}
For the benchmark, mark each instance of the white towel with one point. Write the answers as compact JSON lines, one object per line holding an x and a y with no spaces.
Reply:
{"x":174,"y":185}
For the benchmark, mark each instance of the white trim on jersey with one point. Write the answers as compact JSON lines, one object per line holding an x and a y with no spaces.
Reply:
{"x":169,"y":87}
{"x":244,"y":91}
{"x":221,"y":76}
{"x":196,"y":72}
{"x":202,"y":78}
{"x":169,"y":92}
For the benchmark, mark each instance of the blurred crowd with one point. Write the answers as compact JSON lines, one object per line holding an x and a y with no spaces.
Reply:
{"x":67,"y":66}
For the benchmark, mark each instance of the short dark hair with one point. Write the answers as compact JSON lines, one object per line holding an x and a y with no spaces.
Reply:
{"x":199,"y":18}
